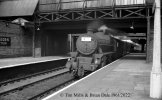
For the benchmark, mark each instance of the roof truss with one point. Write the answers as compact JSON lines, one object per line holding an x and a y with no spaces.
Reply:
{"x":91,"y":14}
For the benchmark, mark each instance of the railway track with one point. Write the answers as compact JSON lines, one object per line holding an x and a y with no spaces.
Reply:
{"x":11,"y":81}
{"x":34,"y":86}
{"x":52,"y":90}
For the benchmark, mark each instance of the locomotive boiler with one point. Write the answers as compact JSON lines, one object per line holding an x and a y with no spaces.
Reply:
{"x":93,"y":51}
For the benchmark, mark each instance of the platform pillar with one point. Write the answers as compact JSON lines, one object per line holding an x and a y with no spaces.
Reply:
{"x":70,"y":39}
{"x":156,"y":74}
{"x":37,"y":43}
{"x":148,"y":40}
{"x":33,"y":41}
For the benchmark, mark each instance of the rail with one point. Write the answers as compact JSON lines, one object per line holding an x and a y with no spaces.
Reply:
{"x":26,"y":85}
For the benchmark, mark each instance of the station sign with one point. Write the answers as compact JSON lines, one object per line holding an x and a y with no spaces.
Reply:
{"x":5,"y":41}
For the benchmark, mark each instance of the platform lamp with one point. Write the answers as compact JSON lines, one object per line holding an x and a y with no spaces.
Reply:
{"x":132,"y":26}
{"x":38,"y":26}
{"x":156,"y":74}
{"x":7,"y":24}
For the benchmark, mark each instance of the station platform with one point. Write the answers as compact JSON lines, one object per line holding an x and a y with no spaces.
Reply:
{"x":125,"y":79}
{"x":11,"y":62}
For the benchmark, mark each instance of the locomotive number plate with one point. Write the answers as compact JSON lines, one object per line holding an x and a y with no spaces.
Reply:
{"x":86,"y":39}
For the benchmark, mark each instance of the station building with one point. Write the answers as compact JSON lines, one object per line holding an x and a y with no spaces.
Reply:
{"x":50,"y":27}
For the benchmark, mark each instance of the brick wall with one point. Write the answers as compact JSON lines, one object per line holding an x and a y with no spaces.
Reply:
{"x":21,"y":40}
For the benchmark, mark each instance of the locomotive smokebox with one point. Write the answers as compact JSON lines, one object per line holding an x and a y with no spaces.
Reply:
{"x":86,"y":44}
{"x":92,"y":42}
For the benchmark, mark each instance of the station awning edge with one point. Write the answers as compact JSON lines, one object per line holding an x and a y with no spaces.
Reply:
{"x":10,"y":8}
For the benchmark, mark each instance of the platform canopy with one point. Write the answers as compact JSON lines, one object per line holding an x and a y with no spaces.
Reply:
{"x":17,"y":7}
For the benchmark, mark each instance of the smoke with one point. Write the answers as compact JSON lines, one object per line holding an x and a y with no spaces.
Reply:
{"x":98,"y":25}
{"x":95,"y":25}
{"x":103,"y":27}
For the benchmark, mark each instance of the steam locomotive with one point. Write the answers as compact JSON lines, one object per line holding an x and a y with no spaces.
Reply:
{"x":95,"y":50}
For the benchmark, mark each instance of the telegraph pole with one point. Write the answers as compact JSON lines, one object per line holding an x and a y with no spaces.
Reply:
{"x":156,"y":74}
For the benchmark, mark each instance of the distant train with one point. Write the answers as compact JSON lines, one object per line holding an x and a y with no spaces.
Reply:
{"x":95,"y":50}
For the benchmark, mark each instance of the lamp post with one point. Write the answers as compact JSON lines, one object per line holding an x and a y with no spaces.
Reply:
{"x":156,"y":74}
